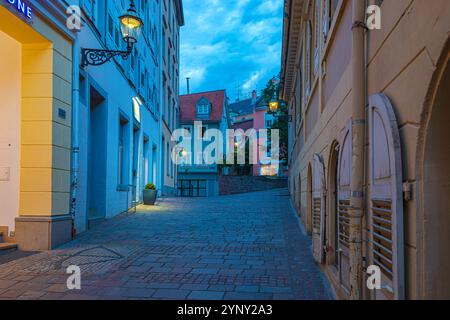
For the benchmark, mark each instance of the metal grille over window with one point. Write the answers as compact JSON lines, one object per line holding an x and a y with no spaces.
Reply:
{"x":344,"y":223}
{"x":382,"y":236}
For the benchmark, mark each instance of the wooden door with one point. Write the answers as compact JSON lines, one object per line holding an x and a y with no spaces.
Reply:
{"x":385,"y":203}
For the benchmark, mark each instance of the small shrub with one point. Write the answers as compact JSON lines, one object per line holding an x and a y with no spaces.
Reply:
{"x":150,"y":186}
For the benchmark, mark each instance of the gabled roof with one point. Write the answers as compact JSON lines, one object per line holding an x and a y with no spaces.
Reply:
{"x":188,"y":106}
{"x":244,"y":107}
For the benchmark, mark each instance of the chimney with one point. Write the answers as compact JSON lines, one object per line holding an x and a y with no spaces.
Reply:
{"x":187,"y":85}
{"x":254,"y":96}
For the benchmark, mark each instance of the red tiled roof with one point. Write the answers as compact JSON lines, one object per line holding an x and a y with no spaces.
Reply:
{"x":188,"y":106}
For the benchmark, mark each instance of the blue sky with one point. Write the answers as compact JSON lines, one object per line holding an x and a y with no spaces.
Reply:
{"x":229,"y":42}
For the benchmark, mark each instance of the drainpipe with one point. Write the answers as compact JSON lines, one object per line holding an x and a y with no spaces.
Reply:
{"x":356,"y":210}
{"x":75,"y":128}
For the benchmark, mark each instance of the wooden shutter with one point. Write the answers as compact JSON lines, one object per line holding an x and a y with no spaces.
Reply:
{"x":385,"y":205}
{"x":344,"y":180}
{"x":318,"y":206}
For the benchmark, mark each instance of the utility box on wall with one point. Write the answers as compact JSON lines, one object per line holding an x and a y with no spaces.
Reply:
{"x":5,"y":173}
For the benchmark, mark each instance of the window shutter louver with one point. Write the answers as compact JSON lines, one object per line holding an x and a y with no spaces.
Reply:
{"x":344,"y":180}
{"x":385,"y":214}
{"x":318,"y":207}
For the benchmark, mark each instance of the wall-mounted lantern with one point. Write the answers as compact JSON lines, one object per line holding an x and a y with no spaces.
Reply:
{"x":130,"y":26}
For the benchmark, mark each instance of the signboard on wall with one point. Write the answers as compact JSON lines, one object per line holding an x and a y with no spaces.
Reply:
{"x":22,"y":7}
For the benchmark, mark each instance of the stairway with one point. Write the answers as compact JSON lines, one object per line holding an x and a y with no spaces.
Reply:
{"x":6,"y":247}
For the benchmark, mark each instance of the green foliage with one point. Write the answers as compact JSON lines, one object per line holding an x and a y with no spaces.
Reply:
{"x":150,"y":186}
{"x":281,"y":123}
{"x":271,"y":90}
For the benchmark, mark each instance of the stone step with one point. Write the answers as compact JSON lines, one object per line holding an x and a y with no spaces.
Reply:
{"x":7,"y":247}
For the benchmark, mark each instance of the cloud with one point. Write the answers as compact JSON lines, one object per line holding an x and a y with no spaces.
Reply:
{"x":251,"y":83}
{"x":230,"y":42}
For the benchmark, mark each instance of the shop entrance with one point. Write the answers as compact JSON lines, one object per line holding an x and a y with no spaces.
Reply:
{"x":10,"y":128}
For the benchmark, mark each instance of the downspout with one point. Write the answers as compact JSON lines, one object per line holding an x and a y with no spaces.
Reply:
{"x":75,"y":129}
{"x":356,"y":210}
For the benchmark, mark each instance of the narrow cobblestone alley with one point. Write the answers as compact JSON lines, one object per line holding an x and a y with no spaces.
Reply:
{"x":247,"y":246}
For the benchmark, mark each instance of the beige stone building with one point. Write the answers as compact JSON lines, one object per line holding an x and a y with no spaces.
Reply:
{"x":369,"y":151}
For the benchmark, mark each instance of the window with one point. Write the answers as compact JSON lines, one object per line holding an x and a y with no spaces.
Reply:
{"x":308,"y":59}
{"x":203,"y":107}
{"x":316,"y":36}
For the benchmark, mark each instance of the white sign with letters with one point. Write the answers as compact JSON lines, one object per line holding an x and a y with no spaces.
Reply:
{"x":23,"y":8}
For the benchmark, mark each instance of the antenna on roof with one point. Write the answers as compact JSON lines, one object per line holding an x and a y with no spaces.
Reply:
{"x":187,"y":85}
{"x":238,"y":91}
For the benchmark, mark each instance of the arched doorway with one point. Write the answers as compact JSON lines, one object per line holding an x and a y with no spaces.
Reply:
{"x":436,"y":191}
{"x":309,"y":209}
{"x":333,"y":220}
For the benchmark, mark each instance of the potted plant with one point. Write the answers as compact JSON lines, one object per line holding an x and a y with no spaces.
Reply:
{"x":150,"y":194}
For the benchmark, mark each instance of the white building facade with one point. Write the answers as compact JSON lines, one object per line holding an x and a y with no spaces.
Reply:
{"x":118,"y":132}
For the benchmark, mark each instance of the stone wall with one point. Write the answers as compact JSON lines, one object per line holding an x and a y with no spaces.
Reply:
{"x":244,"y":184}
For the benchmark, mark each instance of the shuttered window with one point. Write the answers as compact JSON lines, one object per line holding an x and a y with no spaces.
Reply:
{"x":316,"y":213}
{"x":382,"y":236}
{"x":344,"y":223}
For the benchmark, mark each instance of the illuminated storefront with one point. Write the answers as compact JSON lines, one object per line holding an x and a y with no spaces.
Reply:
{"x":35,"y":124}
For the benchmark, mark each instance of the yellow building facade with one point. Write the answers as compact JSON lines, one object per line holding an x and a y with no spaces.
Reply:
{"x":369,"y":158}
{"x":35,"y":113}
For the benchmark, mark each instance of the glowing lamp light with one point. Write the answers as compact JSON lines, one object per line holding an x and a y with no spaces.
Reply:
{"x":274,"y":105}
{"x":183,"y":153}
{"x":130,"y":26}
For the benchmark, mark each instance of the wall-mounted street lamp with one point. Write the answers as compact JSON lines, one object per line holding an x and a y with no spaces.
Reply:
{"x":182,"y":153}
{"x":274,"y":107}
{"x":130,"y":26}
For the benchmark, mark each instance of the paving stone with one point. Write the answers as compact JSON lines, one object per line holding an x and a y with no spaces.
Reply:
{"x":247,"y":246}
{"x":206,"y":295}
{"x":163,"y":285}
{"x":248,"y":296}
{"x":194,"y":287}
{"x":276,"y":289}
{"x":221,"y":287}
{"x":205,"y":271}
{"x":171,"y":294}
{"x":145,"y":293}
{"x":247,"y":288}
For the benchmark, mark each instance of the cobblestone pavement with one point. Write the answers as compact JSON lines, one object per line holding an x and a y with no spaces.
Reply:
{"x":237,"y":247}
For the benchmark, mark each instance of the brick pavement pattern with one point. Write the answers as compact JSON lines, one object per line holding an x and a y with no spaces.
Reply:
{"x":238,"y":247}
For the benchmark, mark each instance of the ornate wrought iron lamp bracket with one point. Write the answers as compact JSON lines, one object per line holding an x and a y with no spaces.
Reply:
{"x":98,"y":57}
